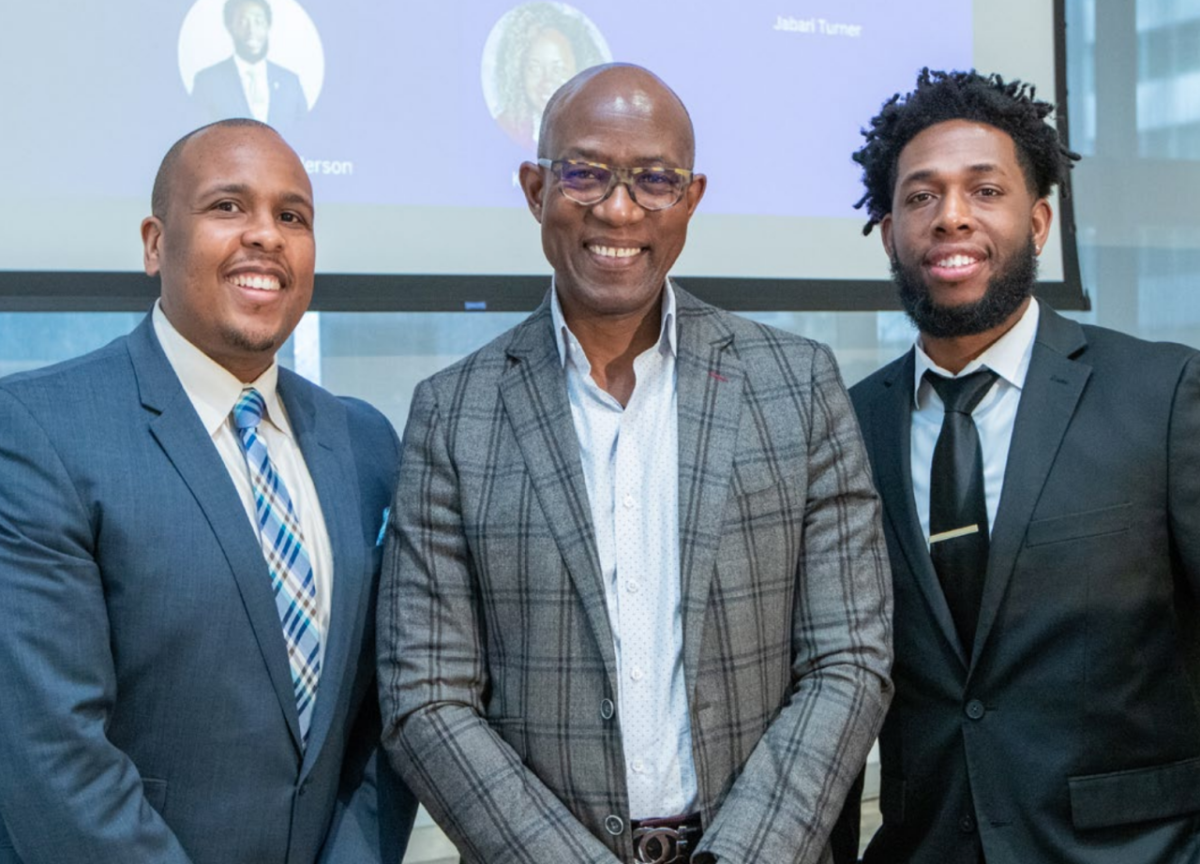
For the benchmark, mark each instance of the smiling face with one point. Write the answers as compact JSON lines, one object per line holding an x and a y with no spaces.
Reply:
{"x":234,"y":247}
{"x":611,"y":259}
{"x":249,"y":25}
{"x":549,"y":63}
{"x":964,"y":229}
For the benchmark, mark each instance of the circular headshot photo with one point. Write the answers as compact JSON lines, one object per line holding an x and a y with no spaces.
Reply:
{"x":533,"y":50}
{"x":251,"y":58}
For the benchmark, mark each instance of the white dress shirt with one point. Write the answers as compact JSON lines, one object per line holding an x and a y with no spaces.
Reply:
{"x":994,"y":416}
{"x":256,"y":86}
{"x":213,"y":392}
{"x":631,"y":465}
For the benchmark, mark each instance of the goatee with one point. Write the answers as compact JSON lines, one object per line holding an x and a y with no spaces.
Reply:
{"x":1006,"y":291}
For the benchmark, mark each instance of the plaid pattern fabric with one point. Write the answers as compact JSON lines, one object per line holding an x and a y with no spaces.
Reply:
{"x":283,"y":546}
{"x":497,"y":668}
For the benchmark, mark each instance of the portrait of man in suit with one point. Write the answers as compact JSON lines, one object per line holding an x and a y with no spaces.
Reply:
{"x":634,"y":602}
{"x":189,"y":558}
{"x":1041,"y":494}
{"x":247,"y":84}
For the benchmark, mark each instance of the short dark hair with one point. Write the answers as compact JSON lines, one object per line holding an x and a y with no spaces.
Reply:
{"x":231,"y":6}
{"x":160,"y":197}
{"x":1010,"y":106}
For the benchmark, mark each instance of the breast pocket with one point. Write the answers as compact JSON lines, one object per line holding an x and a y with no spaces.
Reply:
{"x":156,"y":793}
{"x":1075,"y":526}
{"x":762,"y":489}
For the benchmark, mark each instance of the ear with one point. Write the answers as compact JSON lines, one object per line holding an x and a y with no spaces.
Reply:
{"x":533,"y":184}
{"x":152,"y":231}
{"x":695,"y":192}
{"x":1040,"y":219}
{"x":885,"y":234}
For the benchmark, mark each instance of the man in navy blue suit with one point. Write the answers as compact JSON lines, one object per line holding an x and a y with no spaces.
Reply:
{"x":247,"y":84}
{"x":189,"y":559}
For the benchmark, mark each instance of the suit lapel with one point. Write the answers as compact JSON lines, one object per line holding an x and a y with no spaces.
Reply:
{"x":533,"y":390}
{"x":234,"y":83}
{"x":1052,"y":390}
{"x":709,"y":385}
{"x":890,"y":442}
{"x":179,"y":432}
{"x":324,"y":441}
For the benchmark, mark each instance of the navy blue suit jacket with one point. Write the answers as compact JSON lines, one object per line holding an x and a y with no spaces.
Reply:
{"x":147,"y":700}
{"x":1070,"y":732}
{"x":218,"y":93}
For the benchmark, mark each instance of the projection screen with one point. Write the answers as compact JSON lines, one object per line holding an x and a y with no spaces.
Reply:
{"x":412,"y":119}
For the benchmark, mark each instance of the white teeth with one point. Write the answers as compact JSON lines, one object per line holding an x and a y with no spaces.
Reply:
{"x":956,"y":261}
{"x":261,"y":283}
{"x":615,"y":251}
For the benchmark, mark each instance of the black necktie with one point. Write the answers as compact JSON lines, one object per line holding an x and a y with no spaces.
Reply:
{"x":958,"y":523}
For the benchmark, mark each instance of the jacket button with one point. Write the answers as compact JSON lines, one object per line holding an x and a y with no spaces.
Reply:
{"x":975,"y":709}
{"x":614,"y":825}
{"x":607,"y":710}
{"x":966,"y":824}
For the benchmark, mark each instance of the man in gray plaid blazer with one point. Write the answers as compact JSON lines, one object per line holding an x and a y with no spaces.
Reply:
{"x":635,"y":604}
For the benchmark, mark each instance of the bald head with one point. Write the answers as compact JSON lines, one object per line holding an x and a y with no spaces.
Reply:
{"x":617,"y":90}
{"x":160,"y":197}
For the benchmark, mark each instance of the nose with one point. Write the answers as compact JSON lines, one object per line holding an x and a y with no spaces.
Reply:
{"x":619,"y":208}
{"x":262,"y":232}
{"x":955,"y":213}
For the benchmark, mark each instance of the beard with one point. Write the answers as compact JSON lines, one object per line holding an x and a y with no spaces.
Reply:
{"x":1006,"y":291}
{"x":252,"y":342}
{"x":247,"y":53}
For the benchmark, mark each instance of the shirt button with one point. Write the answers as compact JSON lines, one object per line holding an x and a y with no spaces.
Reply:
{"x":638,"y":766}
{"x":632,"y":586}
{"x":614,"y":825}
{"x":607,"y":709}
{"x":966,"y":824}
{"x":636,"y":673}
{"x":629,"y":502}
{"x":975,"y":709}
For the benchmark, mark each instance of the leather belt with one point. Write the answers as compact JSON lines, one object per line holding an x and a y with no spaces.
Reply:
{"x":666,"y":841}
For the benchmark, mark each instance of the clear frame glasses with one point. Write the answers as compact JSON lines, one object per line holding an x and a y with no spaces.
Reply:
{"x":589,"y":183}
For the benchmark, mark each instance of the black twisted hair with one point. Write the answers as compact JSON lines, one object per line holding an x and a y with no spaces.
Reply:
{"x":1010,"y":106}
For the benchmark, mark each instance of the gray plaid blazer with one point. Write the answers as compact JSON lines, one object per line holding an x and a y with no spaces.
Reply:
{"x":497,"y":669}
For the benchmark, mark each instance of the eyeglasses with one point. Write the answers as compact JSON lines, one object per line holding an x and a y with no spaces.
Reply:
{"x":589,"y":183}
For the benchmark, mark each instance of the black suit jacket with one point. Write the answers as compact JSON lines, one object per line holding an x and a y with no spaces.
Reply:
{"x":1073,"y":736}
{"x":218,"y":95}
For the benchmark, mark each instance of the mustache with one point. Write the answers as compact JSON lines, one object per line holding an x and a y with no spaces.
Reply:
{"x":1006,"y":291}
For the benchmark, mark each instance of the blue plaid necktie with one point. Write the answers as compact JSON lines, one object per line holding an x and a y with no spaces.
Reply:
{"x":292,"y":576}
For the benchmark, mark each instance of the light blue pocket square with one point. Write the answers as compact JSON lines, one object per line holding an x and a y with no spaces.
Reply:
{"x":383,"y":527}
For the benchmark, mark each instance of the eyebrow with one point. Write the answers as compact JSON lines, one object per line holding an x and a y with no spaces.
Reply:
{"x":930,"y":173}
{"x":226,"y":189}
{"x":596,"y":156}
{"x":297,"y":198}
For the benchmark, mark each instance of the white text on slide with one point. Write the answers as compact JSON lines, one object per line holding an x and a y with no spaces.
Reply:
{"x":817,"y":27}
{"x":328,"y":166}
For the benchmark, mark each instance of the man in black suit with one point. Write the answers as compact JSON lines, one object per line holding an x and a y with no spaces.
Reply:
{"x":247,"y":84}
{"x":1044,"y":536}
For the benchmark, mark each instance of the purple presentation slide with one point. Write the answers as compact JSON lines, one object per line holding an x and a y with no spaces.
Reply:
{"x":436,"y":104}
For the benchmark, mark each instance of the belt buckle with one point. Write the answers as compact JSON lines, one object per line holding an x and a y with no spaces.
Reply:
{"x":667,"y":841}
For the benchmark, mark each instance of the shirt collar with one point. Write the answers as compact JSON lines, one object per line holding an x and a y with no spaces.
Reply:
{"x":213,"y":389}
{"x":568,"y":345}
{"x":259,"y":67}
{"x":1008,"y":357}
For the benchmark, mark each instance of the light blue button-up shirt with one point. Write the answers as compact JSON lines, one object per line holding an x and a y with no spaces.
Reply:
{"x":631,"y":465}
